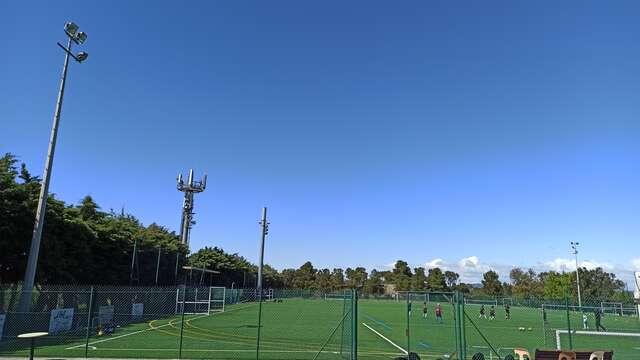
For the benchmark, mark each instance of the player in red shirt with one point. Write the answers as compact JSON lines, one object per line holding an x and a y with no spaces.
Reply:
{"x":439,"y":313}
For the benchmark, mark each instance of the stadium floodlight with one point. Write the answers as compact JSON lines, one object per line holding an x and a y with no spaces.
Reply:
{"x":81,"y":37}
{"x":81,"y":56}
{"x":71,"y":30}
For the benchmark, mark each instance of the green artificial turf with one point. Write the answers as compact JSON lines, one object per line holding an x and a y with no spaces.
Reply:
{"x":299,"y":328}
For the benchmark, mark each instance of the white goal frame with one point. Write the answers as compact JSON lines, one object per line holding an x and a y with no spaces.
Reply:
{"x":584,"y":332}
{"x":206,"y":300}
{"x":493,"y":302}
{"x":607,"y":306}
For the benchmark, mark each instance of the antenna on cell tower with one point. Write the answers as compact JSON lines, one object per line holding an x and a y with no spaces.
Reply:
{"x":189,"y":188}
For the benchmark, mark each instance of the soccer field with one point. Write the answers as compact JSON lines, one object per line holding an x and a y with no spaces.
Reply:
{"x":300,"y":328}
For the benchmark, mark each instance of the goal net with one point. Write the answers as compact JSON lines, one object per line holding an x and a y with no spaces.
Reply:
{"x":200,"y":300}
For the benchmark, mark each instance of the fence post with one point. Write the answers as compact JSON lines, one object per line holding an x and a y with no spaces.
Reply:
{"x":259,"y":323}
{"x":463,"y":334}
{"x":566,"y":303}
{"x":408,"y":330}
{"x":184,"y":294}
{"x":89,"y":321}
{"x":354,"y":324}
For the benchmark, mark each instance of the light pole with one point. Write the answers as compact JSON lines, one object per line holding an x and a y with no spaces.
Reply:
{"x":77,"y":37}
{"x":574,"y":246}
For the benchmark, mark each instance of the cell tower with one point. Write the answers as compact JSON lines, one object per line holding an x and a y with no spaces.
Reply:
{"x":190,"y":188}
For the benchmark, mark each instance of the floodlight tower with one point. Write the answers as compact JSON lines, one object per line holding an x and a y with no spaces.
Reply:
{"x":574,"y":246}
{"x":189,"y":188}
{"x":74,"y":37}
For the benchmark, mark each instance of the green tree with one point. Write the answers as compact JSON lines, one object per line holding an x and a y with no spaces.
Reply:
{"x":491,"y":283}
{"x":337,"y":278}
{"x":374,"y":284}
{"x":323,"y":280}
{"x":451,"y":279}
{"x":525,"y":284}
{"x":356,"y":277}
{"x":419,"y":279}
{"x":401,"y":276}
{"x":436,"y":280}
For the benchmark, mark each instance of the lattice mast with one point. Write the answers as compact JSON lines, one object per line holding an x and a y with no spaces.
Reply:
{"x":189,"y":188}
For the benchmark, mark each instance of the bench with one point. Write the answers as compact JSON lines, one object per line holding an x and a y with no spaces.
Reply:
{"x":542,"y":354}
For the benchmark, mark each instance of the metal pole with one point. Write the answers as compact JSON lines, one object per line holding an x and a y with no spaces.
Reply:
{"x":264,"y":227}
{"x":158,"y":265}
{"x":133,"y":260}
{"x":89,"y":319}
{"x":263,"y":235}
{"x":32,"y":262}
{"x":575,"y":252}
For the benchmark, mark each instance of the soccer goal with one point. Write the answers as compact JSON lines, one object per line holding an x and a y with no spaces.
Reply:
{"x":493,"y":302}
{"x":615,"y":308}
{"x":200,"y":300}
{"x":618,"y":337}
{"x":335,"y":296}
{"x":506,"y":301}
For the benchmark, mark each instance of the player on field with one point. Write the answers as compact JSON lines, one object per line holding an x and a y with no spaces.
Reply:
{"x":409,"y":308}
{"x":585,"y":325}
{"x":507,"y":311}
{"x":492,"y":313}
{"x":439,"y":313}
{"x":598,"y":316}
{"x":424,"y":310}
{"x":482,"y":312}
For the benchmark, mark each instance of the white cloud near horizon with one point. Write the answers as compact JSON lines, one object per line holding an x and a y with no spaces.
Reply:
{"x":472,"y":268}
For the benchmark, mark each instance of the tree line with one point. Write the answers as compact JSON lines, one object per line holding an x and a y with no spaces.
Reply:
{"x":81,"y":244}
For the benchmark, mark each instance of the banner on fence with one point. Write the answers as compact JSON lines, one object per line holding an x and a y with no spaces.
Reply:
{"x":137,"y":310}
{"x":61,"y":320}
{"x":2,"y":317}
{"x":105,"y":314}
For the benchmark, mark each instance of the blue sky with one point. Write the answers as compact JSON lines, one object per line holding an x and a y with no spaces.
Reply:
{"x":485,"y":134}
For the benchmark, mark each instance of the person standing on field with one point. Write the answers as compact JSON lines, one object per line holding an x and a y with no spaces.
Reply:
{"x":439,"y":314}
{"x":598,"y":316}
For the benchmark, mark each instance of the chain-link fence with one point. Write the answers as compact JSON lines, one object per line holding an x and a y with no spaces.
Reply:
{"x":182,"y":322}
{"x":229,"y":323}
{"x":497,"y":327}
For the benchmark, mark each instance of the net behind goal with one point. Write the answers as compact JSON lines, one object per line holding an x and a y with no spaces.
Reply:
{"x":200,"y":300}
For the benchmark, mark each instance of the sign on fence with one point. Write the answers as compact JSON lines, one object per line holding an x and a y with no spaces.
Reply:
{"x":2,"y":317}
{"x":61,"y":320}
{"x":105,"y":314}
{"x":137,"y":310}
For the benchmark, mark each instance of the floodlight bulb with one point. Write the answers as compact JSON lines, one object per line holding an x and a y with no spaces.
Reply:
{"x":81,"y":37}
{"x":71,"y":28}
{"x":82,"y":56}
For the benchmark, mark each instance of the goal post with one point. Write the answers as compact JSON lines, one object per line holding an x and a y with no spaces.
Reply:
{"x":615,"y":308}
{"x":200,"y":300}
{"x":493,"y":302}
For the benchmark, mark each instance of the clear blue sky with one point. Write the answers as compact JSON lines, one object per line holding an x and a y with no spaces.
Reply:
{"x":373,"y":131}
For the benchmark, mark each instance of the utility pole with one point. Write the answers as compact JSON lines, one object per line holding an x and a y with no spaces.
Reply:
{"x":574,"y":246}
{"x":77,"y":37}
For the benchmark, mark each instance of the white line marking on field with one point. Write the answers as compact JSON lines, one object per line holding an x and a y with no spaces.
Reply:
{"x":147,"y":329}
{"x":385,"y":338}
